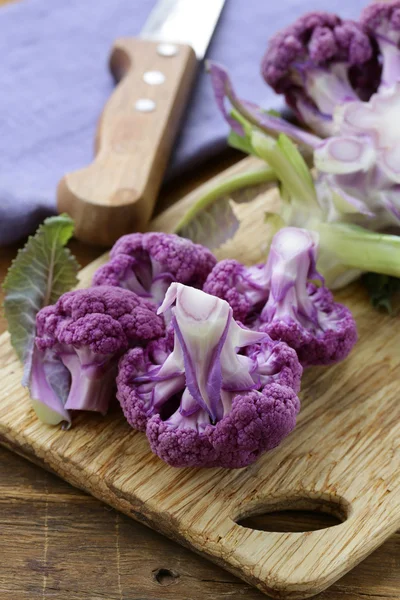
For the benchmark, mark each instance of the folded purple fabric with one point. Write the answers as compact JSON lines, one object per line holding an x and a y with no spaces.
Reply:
{"x":55,"y":81}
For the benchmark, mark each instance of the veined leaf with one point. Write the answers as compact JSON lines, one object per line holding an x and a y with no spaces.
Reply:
{"x":42,"y":271}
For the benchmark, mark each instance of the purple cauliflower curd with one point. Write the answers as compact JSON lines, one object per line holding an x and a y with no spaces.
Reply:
{"x":287,"y":305}
{"x":211,"y":393}
{"x":78,"y":344}
{"x":147,"y":263}
{"x":317,"y":63}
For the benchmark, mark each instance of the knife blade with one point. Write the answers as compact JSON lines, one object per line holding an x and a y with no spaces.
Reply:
{"x":184,"y":21}
{"x":116,"y":193}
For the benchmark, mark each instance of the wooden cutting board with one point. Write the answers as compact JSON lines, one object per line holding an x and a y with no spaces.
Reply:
{"x":343,"y":457}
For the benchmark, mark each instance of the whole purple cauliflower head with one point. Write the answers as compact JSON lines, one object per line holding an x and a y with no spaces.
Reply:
{"x":213,"y":393}
{"x":147,"y":263}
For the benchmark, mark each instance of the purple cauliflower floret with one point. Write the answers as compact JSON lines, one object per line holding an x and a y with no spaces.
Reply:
{"x":382,"y":21}
{"x":214,"y":394}
{"x":147,"y":263}
{"x":292,"y":309}
{"x":304,"y":316}
{"x":316,"y":63}
{"x":82,"y":337}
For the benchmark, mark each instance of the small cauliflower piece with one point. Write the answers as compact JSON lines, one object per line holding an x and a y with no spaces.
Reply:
{"x":202,"y":399}
{"x":312,"y":62}
{"x":80,"y":339}
{"x":324,"y":340}
{"x":293,"y":309}
{"x":147,"y":263}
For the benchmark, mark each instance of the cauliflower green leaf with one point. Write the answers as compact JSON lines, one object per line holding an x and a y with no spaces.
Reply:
{"x":42,"y":271}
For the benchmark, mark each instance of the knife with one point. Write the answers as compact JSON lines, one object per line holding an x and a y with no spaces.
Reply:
{"x":116,"y":193}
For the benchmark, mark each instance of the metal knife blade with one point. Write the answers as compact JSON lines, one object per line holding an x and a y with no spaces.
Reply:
{"x":184,"y":21}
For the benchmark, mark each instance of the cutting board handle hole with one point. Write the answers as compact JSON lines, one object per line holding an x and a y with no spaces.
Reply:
{"x":295,"y":515}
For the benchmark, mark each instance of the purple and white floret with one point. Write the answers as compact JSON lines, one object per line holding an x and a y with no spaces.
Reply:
{"x":78,"y":344}
{"x":297,"y":311}
{"x":202,"y":399}
{"x":289,"y":306}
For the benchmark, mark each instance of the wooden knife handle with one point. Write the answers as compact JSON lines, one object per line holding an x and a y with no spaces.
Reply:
{"x":117,"y":192}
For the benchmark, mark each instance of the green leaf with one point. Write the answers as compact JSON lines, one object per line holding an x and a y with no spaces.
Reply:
{"x":42,"y":271}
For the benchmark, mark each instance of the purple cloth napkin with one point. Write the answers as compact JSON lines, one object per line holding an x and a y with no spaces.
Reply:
{"x":55,"y":81}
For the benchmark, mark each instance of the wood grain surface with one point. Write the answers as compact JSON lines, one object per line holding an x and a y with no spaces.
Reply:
{"x":117,"y":192}
{"x":342,"y":458}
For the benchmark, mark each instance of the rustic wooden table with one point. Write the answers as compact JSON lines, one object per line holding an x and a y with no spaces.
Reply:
{"x":57,"y":542}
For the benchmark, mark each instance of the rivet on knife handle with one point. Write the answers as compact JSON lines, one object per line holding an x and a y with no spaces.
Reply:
{"x":116,"y":194}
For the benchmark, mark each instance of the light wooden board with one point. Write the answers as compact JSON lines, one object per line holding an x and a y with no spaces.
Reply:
{"x":343,"y":457}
